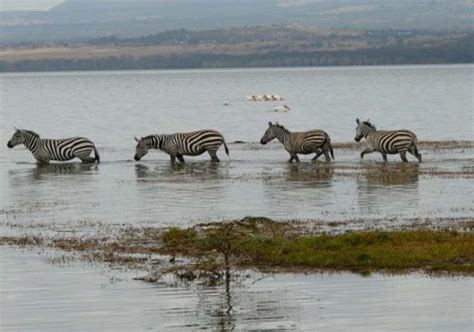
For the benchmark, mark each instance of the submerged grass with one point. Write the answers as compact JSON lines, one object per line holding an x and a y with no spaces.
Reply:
{"x":266,"y":245}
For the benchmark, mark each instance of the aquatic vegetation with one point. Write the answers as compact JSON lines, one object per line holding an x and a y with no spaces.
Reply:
{"x":267,"y":245}
{"x":214,"y":250}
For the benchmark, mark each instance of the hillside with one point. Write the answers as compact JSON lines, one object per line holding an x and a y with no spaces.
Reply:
{"x":80,"y":20}
{"x":263,"y":46}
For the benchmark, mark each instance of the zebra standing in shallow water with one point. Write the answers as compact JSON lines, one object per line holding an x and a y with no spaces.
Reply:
{"x":44,"y":150}
{"x":312,"y":141}
{"x":182,"y":144}
{"x":387,"y":141}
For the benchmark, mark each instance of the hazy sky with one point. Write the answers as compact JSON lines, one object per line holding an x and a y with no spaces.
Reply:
{"x":28,"y":4}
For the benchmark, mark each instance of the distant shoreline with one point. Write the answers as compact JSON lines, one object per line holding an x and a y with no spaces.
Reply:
{"x":416,"y":65}
{"x":41,"y":67}
{"x":258,"y":47}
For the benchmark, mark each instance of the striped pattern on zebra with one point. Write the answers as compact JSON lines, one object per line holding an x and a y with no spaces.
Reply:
{"x":183,"y":144}
{"x":386,"y":142}
{"x":44,"y":150}
{"x":312,"y":141}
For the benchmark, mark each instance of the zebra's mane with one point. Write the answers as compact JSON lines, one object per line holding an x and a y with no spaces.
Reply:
{"x":31,"y":132}
{"x":367,"y":123}
{"x":281,"y":127}
{"x":149,"y":137}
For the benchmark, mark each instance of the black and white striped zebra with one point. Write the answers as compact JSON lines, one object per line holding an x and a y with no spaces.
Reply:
{"x":44,"y":150}
{"x":182,"y":144}
{"x":306,"y":142}
{"x":386,"y":142}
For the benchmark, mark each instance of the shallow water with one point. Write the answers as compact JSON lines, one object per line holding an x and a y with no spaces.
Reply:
{"x":154,"y":191}
{"x":93,"y":297}
{"x":112,"y":107}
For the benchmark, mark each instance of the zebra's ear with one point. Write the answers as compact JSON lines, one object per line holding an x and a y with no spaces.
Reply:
{"x":270,"y":124}
{"x":358,"y":121}
{"x":136,"y":139}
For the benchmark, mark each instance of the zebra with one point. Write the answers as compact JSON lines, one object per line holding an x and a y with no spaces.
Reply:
{"x":312,"y":141}
{"x":387,"y":141}
{"x":178,"y":145}
{"x":44,"y":150}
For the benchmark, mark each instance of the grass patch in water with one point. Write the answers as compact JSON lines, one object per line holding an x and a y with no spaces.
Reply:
{"x":267,"y":245}
{"x":270,"y":246}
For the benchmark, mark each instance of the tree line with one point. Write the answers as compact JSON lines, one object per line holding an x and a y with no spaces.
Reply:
{"x":455,"y":51}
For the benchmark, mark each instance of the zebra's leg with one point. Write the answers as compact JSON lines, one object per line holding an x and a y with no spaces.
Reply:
{"x":414,"y":151}
{"x":172,"y":158}
{"x":291,"y":159}
{"x":365,"y":152}
{"x":384,"y":155}
{"x":180,"y":158}
{"x":403,"y":155}
{"x":296,"y":158}
{"x":326,"y":154}
{"x":318,"y":154}
{"x":418,"y":156}
{"x":213,"y":154}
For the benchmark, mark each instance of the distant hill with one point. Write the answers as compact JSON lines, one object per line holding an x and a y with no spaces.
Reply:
{"x":75,"y":20}
{"x":262,"y":46}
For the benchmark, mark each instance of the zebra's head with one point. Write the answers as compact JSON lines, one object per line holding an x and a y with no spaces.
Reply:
{"x":362,"y":129}
{"x":17,"y":138}
{"x":143,"y":145}
{"x":270,"y":133}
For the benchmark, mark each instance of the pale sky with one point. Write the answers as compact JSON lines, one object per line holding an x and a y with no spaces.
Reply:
{"x":28,"y":4}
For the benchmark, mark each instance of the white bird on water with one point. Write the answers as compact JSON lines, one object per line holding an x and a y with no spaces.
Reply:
{"x":283,"y":108}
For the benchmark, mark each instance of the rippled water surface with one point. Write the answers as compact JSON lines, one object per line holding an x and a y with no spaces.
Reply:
{"x":111,"y":108}
{"x":83,"y":298}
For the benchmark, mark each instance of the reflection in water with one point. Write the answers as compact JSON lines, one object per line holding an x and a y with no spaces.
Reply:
{"x":297,"y":190}
{"x":392,"y":174}
{"x":142,"y":171}
{"x":313,"y":302}
{"x":176,"y":192}
{"x":163,"y":193}
{"x":388,"y":186}
{"x":175,"y":172}
{"x":52,"y":192}
{"x":60,"y":169}
{"x":42,"y":171}
{"x":241,"y":303}
{"x":221,"y":310}
{"x":312,"y":174}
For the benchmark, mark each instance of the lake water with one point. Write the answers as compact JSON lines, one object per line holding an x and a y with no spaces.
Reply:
{"x":111,"y":108}
{"x":37,"y":296}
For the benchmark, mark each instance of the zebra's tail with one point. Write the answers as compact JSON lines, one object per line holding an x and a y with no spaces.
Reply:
{"x":96,"y":153}
{"x":225,"y":147}
{"x":330,"y":147}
